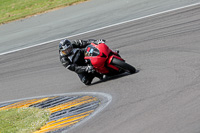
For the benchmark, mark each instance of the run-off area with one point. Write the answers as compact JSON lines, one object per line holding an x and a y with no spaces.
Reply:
{"x":66,"y":110}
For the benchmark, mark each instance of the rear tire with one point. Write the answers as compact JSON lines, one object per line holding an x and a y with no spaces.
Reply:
{"x":123,"y":65}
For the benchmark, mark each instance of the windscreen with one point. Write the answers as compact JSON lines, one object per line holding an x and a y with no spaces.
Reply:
{"x":91,"y":51}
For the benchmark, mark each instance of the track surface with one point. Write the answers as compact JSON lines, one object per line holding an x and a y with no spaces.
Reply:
{"x":162,"y":97}
{"x":79,"y":18}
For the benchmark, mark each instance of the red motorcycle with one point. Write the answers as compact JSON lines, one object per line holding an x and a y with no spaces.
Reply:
{"x":105,"y":61}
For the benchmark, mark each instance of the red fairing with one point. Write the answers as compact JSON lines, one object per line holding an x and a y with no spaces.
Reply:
{"x":100,"y":57}
{"x":109,"y":62}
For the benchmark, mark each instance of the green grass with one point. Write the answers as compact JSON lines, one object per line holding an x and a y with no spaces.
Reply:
{"x":16,"y":9}
{"x":23,"y":120}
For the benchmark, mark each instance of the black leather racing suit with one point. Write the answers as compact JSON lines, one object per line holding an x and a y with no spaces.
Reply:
{"x":75,"y":61}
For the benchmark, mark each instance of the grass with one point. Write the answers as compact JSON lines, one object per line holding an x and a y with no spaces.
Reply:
{"x":16,"y":9}
{"x":23,"y":120}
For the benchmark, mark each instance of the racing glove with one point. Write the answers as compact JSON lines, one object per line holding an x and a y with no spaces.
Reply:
{"x":90,"y":69}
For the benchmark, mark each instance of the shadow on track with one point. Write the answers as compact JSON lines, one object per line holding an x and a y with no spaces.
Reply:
{"x":108,"y":78}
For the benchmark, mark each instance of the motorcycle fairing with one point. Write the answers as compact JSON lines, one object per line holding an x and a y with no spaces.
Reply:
{"x":100,"y":57}
{"x":109,"y":64}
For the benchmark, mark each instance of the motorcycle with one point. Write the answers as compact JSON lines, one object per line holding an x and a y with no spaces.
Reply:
{"x":106,"y":61}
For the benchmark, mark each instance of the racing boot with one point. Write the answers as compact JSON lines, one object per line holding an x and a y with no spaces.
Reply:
{"x":98,"y":75}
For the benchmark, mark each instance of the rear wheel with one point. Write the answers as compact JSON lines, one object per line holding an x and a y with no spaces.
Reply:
{"x":123,"y":65}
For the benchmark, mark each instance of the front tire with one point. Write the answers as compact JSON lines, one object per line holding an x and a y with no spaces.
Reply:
{"x":123,"y":65}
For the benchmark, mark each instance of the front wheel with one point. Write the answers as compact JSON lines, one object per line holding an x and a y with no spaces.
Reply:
{"x":123,"y":65}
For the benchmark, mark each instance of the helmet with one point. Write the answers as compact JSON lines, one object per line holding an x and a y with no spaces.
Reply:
{"x":65,"y":47}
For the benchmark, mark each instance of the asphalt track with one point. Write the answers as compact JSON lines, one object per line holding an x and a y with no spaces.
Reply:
{"x":79,"y":18}
{"x":162,"y":97}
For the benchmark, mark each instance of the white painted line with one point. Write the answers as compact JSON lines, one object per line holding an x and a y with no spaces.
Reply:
{"x":99,"y":94}
{"x":171,"y":10}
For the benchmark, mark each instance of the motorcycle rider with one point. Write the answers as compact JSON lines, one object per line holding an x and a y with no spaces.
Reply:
{"x":72,"y":57}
